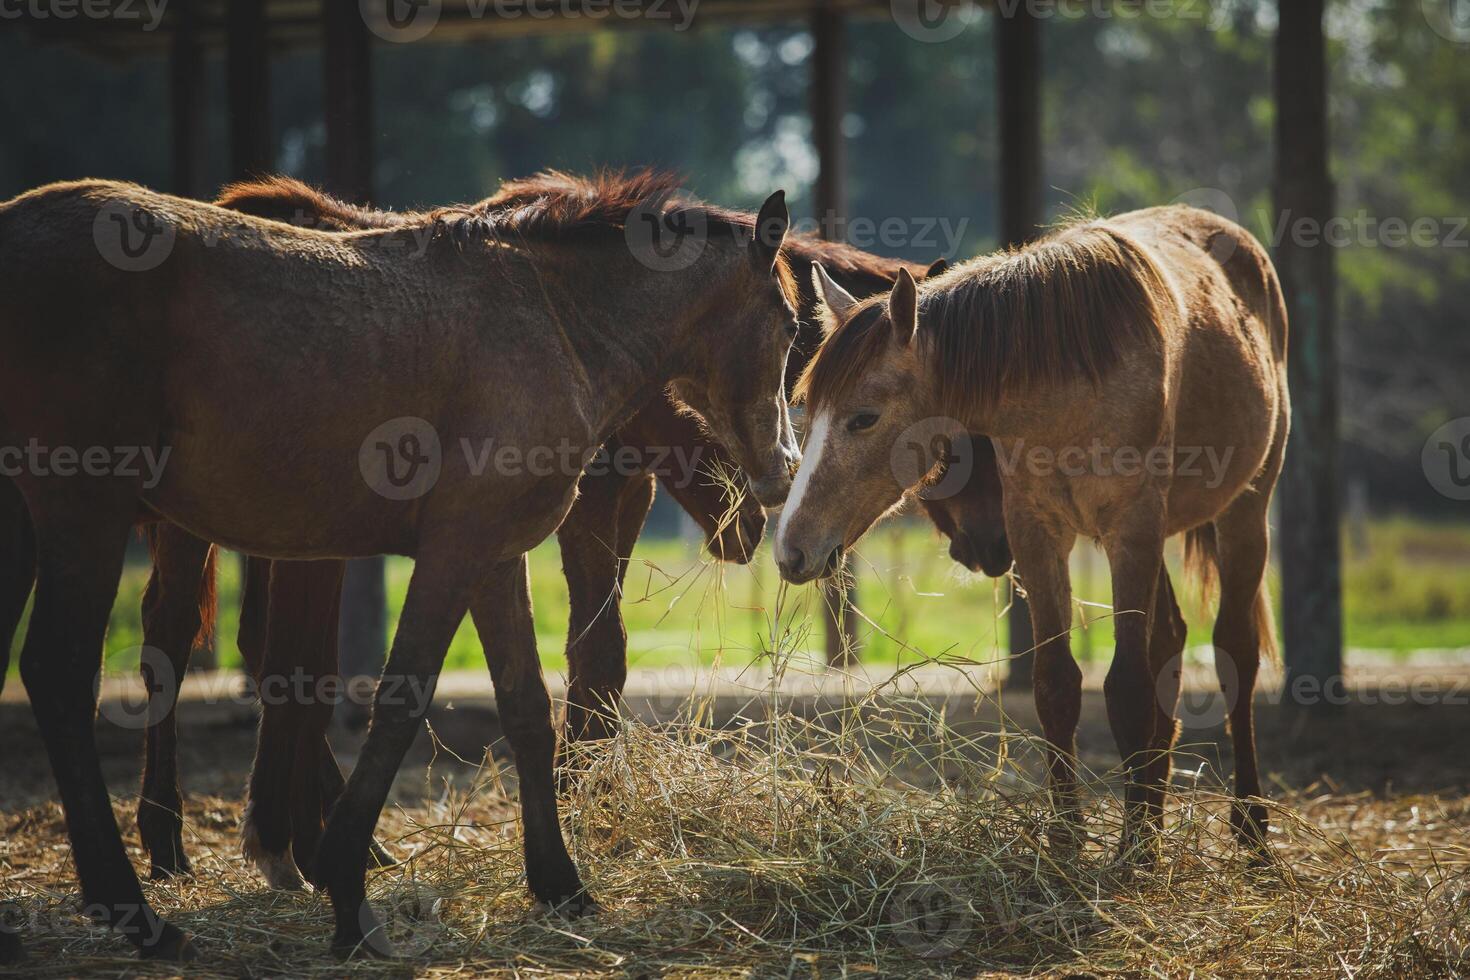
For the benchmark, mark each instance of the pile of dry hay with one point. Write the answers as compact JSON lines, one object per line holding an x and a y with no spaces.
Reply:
{"x":868,"y":839}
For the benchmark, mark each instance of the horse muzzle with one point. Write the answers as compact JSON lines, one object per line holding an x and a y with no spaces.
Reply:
{"x":989,"y":554}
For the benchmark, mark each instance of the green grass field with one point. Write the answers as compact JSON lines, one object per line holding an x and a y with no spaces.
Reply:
{"x":1408,"y":590}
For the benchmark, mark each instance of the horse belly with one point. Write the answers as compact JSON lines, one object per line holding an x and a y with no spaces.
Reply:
{"x":279,"y":500}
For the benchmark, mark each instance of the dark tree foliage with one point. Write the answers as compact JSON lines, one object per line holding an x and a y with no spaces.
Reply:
{"x":1138,"y":111}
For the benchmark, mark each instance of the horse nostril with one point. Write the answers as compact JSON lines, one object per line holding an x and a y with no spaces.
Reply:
{"x":795,"y":561}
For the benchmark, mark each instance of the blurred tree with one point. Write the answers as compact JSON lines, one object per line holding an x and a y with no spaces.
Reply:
{"x":1139,"y":110}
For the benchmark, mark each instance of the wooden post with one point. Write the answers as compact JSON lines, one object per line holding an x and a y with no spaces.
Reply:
{"x":247,"y":64}
{"x":186,"y":109}
{"x":1311,"y":561}
{"x":828,"y":104}
{"x":186,"y":98}
{"x":347,"y":93}
{"x":1018,"y":87}
{"x":347,"y":53}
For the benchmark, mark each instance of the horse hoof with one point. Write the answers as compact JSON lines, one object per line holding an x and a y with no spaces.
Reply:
{"x":375,"y":946}
{"x":574,"y":907}
{"x":379,"y":857}
{"x":1067,"y":836}
{"x":278,"y":870}
{"x":365,"y":938}
{"x":163,"y":871}
{"x":1250,"y":824}
{"x":173,"y":946}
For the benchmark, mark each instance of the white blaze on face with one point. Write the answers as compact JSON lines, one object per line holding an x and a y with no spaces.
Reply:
{"x":811,"y":457}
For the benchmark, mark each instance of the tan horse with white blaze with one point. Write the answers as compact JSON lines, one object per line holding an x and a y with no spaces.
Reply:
{"x":1157,"y":337}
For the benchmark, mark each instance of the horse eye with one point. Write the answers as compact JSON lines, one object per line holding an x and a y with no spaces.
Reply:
{"x":791,"y":329}
{"x":861,"y":421}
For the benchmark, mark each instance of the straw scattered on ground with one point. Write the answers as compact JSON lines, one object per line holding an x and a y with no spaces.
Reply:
{"x":866,"y":840}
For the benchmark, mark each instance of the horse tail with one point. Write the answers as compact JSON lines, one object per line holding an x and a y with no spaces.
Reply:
{"x":1202,"y":560}
{"x":208,"y":597}
{"x":208,"y":600}
{"x":1202,"y":564}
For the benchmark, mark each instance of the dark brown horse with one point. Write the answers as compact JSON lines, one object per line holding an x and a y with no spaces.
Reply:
{"x":1135,"y":370}
{"x":541,"y":328}
{"x":292,"y":788}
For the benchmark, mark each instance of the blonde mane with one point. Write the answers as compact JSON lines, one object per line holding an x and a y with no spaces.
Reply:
{"x":1062,"y":308}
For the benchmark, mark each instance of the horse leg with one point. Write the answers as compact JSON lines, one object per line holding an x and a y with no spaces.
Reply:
{"x":285,"y":779}
{"x":1041,"y":561}
{"x":255,"y":607}
{"x":596,"y":538}
{"x":1135,"y":550}
{"x":503,"y":618}
{"x":1165,"y":652}
{"x":17,"y":575}
{"x":438,"y":596}
{"x":17,"y":567}
{"x":265,"y":828}
{"x":172,"y":619}
{"x":329,"y":777}
{"x":321,"y":587}
{"x":317,"y":780}
{"x":81,"y":540}
{"x":1242,"y":625}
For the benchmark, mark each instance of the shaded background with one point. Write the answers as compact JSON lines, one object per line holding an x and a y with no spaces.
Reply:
{"x":1137,"y":111}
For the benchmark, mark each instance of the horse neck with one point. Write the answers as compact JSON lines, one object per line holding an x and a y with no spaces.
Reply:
{"x":634,"y":330}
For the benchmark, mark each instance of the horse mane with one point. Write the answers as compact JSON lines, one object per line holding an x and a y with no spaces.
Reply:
{"x":1062,"y":308}
{"x":549,"y":205}
{"x":287,"y":199}
{"x":553,"y":205}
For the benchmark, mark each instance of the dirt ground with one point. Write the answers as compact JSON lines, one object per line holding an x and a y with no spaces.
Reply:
{"x":1402,"y":739}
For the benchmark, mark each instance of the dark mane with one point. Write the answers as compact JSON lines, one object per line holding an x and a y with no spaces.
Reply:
{"x":1062,"y":308}
{"x":555,"y":205}
{"x":288,"y":199}
{"x":547,"y":206}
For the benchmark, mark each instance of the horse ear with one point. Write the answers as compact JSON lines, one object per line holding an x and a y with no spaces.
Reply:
{"x":903,"y":308}
{"x":838,"y":301}
{"x":939,"y":268}
{"x":770,"y":230}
